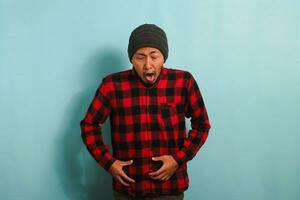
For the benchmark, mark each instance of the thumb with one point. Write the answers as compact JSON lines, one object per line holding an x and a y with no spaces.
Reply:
{"x":158,"y":158}
{"x":129,"y":162}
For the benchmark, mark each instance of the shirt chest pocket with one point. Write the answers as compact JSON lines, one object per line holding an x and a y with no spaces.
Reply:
{"x":172,"y":117}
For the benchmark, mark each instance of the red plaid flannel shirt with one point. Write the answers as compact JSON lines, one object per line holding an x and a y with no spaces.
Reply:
{"x":147,"y":122}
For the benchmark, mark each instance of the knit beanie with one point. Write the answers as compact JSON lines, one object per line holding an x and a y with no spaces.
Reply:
{"x":148,"y":35}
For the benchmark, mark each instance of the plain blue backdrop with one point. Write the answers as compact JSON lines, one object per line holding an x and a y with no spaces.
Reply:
{"x":244,"y":55}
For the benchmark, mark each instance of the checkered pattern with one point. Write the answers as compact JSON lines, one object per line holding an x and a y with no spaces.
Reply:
{"x":147,"y":121}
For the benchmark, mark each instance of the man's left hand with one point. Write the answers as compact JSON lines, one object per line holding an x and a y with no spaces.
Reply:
{"x":166,"y":170}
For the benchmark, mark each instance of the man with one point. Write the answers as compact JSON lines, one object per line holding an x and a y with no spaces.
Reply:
{"x":147,"y":106}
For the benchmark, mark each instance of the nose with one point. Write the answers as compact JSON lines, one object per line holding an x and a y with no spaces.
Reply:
{"x":147,"y":64}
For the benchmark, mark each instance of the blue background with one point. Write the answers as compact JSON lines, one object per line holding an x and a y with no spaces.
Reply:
{"x":243,"y":54}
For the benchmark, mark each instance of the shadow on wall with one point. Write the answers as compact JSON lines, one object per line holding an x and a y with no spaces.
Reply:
{"x":81,"y":177}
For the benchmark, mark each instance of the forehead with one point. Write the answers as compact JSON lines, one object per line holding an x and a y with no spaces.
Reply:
{"x":147,"y":50}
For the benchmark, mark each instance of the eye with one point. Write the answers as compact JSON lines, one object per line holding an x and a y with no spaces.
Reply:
{"x":140,"y":57}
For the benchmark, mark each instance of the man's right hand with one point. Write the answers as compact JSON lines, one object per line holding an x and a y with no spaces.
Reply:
{"x":116,"y":170}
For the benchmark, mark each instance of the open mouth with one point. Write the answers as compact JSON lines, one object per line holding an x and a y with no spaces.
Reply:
{"x":150,"y":77}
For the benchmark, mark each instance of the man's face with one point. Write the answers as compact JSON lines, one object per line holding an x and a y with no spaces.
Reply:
{"x":148,"y":62}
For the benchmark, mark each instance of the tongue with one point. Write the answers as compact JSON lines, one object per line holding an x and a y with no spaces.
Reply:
{"x":150,"y":78}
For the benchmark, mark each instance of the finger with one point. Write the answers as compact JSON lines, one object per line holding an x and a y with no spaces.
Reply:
{"x":119,"y":178}
{"x":125,"y":163}
{"x":158,"y":158}
{"x":158,"y":172}
{"x":165,"y":178}
{"x":158,"y":177}
{"x":168,"y":178}
{"x":126,"y":178}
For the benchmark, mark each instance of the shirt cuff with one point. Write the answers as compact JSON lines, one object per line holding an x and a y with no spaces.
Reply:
{"x":179,"y":157}
{"x":108,"y":162}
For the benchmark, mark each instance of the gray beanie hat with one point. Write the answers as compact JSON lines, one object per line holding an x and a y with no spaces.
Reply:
{"x":148,"y":35}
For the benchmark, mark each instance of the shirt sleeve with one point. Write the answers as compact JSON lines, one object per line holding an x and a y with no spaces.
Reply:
{"x":91,"y":127}
{"x":200,"y":125}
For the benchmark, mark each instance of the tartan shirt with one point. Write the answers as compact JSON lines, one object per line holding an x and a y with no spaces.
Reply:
{"x":147,"y":121}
